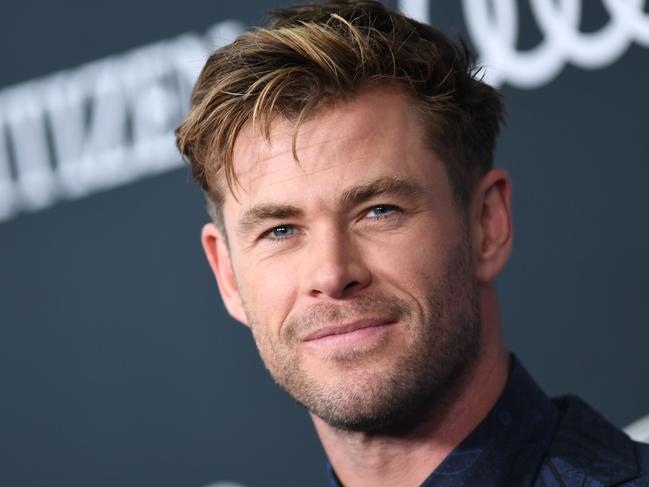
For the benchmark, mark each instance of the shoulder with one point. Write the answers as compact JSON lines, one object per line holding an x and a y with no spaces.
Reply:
{"x":589,"y":450}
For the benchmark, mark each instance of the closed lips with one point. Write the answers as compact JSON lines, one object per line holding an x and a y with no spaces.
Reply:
{"x":346,"y":328}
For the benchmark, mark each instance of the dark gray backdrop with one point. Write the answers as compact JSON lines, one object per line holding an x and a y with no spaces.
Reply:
{"x":118,"y":365}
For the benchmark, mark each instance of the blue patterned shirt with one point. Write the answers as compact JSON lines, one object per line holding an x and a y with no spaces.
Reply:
{"x":529,"y":440}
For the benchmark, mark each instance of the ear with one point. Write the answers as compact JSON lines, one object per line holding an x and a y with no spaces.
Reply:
{"x":491,"y":224}
{"x":218,"y":256}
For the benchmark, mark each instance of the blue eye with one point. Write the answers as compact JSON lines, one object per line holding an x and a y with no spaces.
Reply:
{"x":281,"y":232}
{"x":380,"y":211}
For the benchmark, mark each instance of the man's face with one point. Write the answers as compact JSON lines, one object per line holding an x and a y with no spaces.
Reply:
{"x":353,"y":266}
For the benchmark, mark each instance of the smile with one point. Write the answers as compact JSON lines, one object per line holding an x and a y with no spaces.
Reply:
{"x":350,"y":335}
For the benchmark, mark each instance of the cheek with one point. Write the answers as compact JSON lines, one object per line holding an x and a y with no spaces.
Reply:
{"x":413,"y":259}
{"x":267,"y":290}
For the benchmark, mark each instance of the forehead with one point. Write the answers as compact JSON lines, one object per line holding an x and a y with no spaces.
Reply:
{"x":377,"y":134}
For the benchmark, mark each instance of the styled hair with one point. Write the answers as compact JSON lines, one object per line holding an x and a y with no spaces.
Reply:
{"x":310,"y":57}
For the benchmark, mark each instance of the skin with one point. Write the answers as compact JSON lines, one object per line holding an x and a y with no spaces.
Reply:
{"x":308,"y":252}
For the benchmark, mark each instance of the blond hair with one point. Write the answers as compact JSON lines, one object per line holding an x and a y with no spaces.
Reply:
{"x":312,"y":56}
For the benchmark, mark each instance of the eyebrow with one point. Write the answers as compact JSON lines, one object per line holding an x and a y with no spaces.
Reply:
{"x":353,"y":196}
{"x":381,"y":187}
{"x":259,"y":213}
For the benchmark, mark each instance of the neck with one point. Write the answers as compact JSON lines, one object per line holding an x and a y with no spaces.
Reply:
{"x":376,"y":459}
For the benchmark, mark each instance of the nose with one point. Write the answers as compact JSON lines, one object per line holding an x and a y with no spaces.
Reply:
{"x":337,"y":269}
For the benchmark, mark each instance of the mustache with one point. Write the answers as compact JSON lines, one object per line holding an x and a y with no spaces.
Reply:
{"x":372,"y":306}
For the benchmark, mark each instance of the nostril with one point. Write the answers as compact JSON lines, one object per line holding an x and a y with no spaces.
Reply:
{"x":350,"y":285}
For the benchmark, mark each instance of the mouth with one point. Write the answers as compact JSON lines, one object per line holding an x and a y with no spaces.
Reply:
{"x":355,"y":334}
{"x":345,"y":328}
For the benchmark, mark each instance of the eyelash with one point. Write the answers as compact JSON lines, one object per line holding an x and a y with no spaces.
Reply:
{"x":268,"y":234}
{"x":392,"y":211}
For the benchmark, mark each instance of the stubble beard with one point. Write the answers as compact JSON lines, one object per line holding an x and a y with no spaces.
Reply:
{"x":443,"y":344}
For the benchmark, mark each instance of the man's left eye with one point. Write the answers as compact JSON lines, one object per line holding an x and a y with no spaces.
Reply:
{"x":381,"y":211}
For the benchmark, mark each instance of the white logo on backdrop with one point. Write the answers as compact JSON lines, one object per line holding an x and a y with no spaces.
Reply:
{"x":100,"y":125}
{"x":111,"y":121}
{"x":493,"y":27}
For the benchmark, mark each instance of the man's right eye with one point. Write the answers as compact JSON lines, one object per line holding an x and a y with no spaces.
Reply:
{"x":280,"y":232}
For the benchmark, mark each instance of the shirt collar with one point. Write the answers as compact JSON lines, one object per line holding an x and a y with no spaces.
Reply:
{"x":507,"y":447}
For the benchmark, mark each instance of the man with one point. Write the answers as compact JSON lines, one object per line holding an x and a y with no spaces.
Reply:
{"x":358,"y":226}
